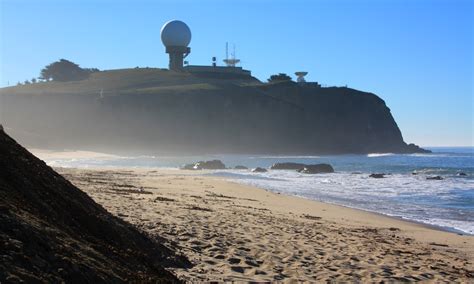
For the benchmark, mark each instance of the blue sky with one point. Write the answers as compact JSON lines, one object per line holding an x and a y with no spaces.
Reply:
{"x":417,"y":55}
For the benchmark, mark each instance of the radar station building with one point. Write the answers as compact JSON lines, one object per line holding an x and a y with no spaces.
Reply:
{"x":176,"y":37}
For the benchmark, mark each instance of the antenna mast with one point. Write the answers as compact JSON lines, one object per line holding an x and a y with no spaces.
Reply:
{"x":226,"y":51}
{"x":230,"y":62}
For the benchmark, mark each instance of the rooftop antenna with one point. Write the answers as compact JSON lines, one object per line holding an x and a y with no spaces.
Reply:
{"x":230,"y":62}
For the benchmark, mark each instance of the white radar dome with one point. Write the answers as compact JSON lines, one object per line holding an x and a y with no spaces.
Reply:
{"x":175,"y":33}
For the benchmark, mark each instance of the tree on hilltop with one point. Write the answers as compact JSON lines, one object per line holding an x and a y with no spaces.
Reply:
{"x":279,"y":78}
{"x":65,"y":70}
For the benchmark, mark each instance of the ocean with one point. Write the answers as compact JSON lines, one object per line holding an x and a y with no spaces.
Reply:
{"x":447,"y":204}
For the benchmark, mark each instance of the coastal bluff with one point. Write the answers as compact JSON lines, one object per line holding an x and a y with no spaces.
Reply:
{"x":157,"y":110}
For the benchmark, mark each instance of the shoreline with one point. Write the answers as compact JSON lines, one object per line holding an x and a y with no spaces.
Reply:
{"x":371,"y":214}
{"x":85,"y":154}
{"x":208,"y":173}
{"x":237,"y":232}
{"x":450,"y":229}
{"x":401,"y":219}
{"x":40,"y":151}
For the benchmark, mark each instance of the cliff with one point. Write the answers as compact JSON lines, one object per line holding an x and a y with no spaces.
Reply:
{"x":154,"y":110}
{"x":52,"y":232}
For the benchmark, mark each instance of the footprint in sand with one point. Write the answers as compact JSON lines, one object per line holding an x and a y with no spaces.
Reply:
{"x":252,"y":262}
{"x":234,"y":260}
{"x":238,"y":269}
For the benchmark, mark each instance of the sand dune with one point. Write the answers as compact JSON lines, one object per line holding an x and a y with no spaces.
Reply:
{"x":234,"y":232}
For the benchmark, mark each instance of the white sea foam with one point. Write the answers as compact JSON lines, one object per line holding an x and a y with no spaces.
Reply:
{"x":285,"y":157}
{"x":375,"y":155}
{"x":428,"y":155}
{"x":407,"y":196}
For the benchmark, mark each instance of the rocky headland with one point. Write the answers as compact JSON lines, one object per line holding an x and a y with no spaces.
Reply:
{"x":160,"y":111}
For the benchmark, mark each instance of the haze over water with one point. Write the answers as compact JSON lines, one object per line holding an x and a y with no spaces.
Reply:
{"x":447,"y":203}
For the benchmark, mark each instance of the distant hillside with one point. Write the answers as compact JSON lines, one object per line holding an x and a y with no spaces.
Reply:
{"x":155,"y":110}
{"x":51,"y":232}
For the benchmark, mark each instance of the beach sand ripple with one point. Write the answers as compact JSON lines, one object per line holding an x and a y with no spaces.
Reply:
{"x":234,"y":232}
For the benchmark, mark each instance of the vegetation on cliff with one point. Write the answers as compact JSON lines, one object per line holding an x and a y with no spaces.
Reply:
{"x":65,"y":70}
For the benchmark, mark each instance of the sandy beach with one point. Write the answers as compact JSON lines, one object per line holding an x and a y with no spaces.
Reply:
{"x":240,"y":233}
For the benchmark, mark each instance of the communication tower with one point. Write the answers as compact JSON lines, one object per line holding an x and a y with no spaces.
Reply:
{"x":230,"y":62}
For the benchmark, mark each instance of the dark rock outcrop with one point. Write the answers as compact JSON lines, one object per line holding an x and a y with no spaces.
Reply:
{"x":52,"y":232}
{"x":209,"y":165}
{"x":412,"y":148}
{"x":239,"y":167}
{"x":259,"y":170}
{"x":155,"y":111}
{"x":287,"y":166}
{"x":435,"y":178}
{"x":188,"y":167}
{"x":317,"y":169}
{"x":377,"y":175}
{"x":205,"y":165}
{"x":461,"y":174}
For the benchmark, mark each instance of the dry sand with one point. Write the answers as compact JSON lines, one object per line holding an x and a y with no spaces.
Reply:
{"x":235,"y":232}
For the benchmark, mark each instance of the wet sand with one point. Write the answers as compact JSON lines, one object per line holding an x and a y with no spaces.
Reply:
{"x":236,"y":232}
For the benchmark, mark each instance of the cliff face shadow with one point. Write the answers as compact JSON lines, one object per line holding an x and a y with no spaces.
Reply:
{"x":51,"y":231}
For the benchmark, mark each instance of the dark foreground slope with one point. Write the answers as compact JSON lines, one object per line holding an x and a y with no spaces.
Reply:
{"x":153,"y":110}
{"x":50,"y":231}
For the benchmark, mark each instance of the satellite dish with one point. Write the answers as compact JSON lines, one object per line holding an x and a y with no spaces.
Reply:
{"x":301,"y":75}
